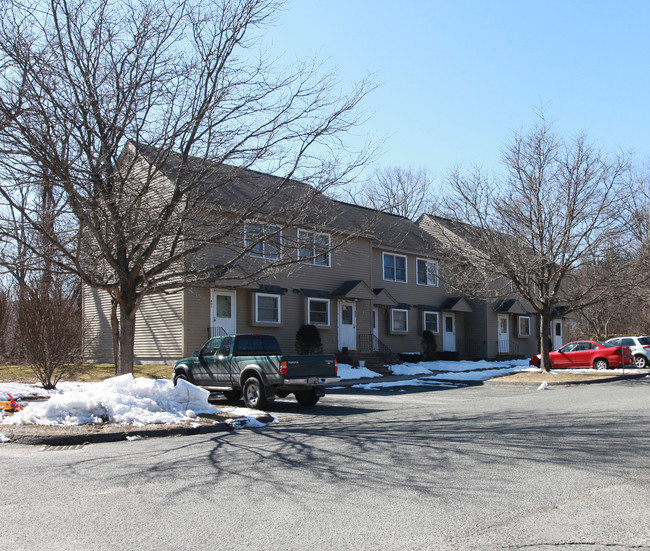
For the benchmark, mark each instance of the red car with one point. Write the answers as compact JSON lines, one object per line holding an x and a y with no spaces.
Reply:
{"x":588,"y":354}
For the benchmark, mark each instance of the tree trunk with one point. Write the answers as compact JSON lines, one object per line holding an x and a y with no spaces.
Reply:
{"x":126,"y":339}
{"x":544,"y":331}
{"x":115,"y":330}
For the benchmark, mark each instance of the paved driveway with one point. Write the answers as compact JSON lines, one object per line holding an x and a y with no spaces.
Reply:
{"x":491,"y":467}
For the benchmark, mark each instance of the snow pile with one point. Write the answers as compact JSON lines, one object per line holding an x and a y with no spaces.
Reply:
{"x":125,"y":399}
{"x":347,"y":372}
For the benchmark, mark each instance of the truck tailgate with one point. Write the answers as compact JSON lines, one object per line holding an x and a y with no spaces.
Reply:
{"x":310,"y":366}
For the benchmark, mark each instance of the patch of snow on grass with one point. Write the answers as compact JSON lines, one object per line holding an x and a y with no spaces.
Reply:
{"x":347,"y":372}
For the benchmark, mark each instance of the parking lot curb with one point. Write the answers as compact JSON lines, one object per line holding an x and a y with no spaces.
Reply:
{"x":112,"y":436}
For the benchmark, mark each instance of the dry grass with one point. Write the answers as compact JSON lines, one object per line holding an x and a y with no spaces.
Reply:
{"x":538,"y":377}
{"x":86,"y":373}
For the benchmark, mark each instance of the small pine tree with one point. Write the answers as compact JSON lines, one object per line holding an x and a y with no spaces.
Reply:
{"x":429,"y":346}
{"x":308,"y":340}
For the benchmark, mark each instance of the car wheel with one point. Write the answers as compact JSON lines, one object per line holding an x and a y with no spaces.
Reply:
{"x":254,"y":395}
{"x":601,"y":364}
{"x":640,"y":361}
{"x":232,"y":395}
{"x":307,"y":397}
{"x":178,"y":376}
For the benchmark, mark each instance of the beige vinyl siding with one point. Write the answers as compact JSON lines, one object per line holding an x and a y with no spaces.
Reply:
{"x":159,"y":329}
{"x":412,"y":294}
{"x":98,"y":342}
{"x":350,"y":262}
{"x":196,"y":315}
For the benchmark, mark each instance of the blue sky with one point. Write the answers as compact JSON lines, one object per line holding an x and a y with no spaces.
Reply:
{"x":456,"y":78}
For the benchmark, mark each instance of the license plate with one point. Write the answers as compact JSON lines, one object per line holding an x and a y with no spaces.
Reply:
{"x":313,"y":380}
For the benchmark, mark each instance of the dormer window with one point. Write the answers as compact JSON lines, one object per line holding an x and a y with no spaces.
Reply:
{"x":314,"y":248}
{"x":263,"y":240}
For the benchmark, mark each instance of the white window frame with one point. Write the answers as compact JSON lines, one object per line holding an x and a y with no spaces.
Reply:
{"x":431,"y":274}
{"x":309,"y":303}
{"x":311,"y":256}
{"x":424,"y":321}
{"x":383,"y":269}
{"x":392,"y":320}
{"x":268,"y":232}
{"x":278,"y":298}
{"x":519,"y":331}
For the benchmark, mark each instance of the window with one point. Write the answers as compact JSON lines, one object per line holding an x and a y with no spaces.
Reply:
{"x":254,"y":345}
{"x":210,"y":348}
{"x":427,"y":272}
{"x":431,"y":321}
{"x":267,"y":308}
{"x":318,"y":311}
{"x":394,"y":267}
{"x":313,"y":248}
{"x":399,"y":321}
{"x":571,"y":347}
{"x":263,"y":240}
{"x":524,"y":326}
{"x":226,"y":344}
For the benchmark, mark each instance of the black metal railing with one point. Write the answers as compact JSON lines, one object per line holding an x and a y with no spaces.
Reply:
{"x":216,"y":332}
{"x":507,"y":347}
{"x":370,"y":344}
{"x":471,"y":349}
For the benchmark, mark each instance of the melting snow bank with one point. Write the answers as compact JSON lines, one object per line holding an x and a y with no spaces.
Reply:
{"x":125,"y":400}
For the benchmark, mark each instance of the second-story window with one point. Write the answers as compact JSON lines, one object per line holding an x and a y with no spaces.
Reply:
{"x":394,"y":267}
{"x":263,"y":240}
{"x":314,"y":248}
{"x":427,"y":272}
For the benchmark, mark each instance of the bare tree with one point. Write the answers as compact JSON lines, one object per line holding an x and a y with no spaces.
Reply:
{"x":5,"y":315}
{"x":550,"y":220}
{"x":126,"y":111}
{"x":406,"y":192}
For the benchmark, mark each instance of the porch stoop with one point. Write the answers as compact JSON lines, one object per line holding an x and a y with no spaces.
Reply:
{"x":374,"y":362}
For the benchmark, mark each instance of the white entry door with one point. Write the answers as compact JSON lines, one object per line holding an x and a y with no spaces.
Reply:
{"x":223,"y":313}
{"x":556,"y":328}
{"x":503,"y":334}
{"x":448,"y":333}
{"x":347,"y":325}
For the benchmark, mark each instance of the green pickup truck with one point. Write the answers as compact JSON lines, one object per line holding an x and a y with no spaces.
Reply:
{"x":253,"y":367}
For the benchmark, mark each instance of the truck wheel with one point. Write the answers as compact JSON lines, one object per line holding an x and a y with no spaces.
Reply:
{"x":178,"y":376}
{"x":307,"y":397}
{"x":254,"y":395}
{"x":232,"y":395}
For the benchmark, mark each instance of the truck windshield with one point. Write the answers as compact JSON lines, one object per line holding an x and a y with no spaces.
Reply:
{"x":254,"y":345}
